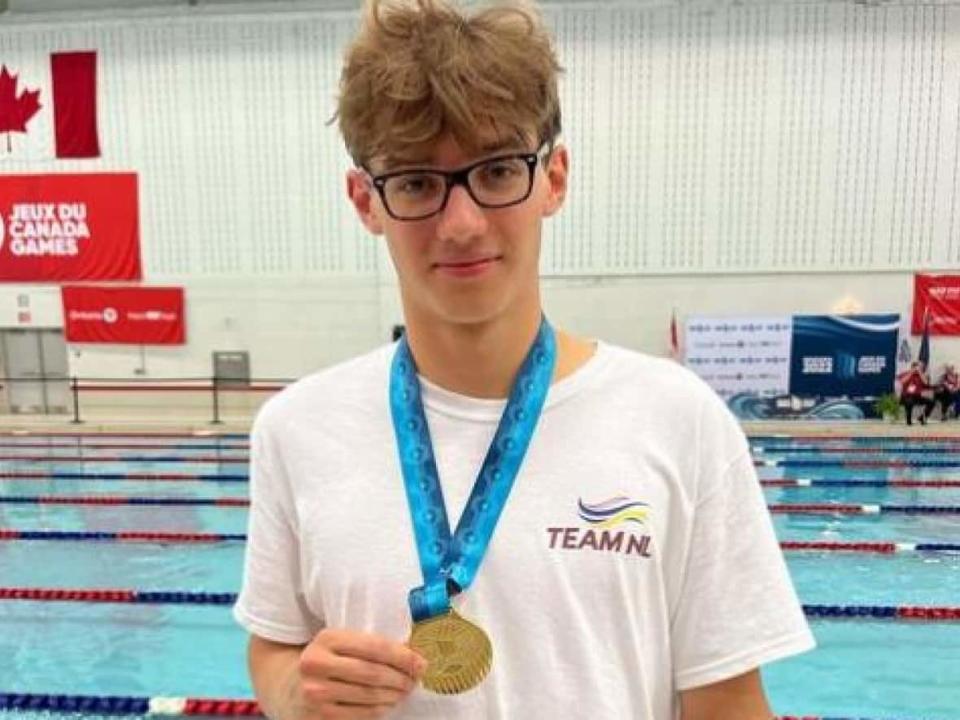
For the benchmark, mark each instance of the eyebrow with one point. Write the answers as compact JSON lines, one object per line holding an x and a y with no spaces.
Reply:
{"x":414,"y":162}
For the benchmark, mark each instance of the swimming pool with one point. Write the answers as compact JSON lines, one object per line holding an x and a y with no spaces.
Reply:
{"x":904,"y":669}
{"x":871,"y":669}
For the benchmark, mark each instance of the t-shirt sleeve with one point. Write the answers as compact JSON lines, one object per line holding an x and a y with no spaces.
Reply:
{"x":737,"y":608}
{"x":271,"y":601}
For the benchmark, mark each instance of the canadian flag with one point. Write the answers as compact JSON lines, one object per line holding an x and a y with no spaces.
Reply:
{"x":49,"y":110}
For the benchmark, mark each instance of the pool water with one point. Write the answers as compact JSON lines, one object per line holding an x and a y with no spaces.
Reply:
{"x":868,"y":669}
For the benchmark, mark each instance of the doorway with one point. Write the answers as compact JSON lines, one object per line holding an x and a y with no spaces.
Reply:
{"x":34,"y":363}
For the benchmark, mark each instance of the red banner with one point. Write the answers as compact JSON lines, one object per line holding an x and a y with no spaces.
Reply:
{"x":74,"y":77}
{"x":69,"y":227}
{"x":940,"y":296}
{"x":126,"y":315}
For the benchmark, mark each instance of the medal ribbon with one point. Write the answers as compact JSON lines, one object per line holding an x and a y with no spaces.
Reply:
{"x":445,"y":558}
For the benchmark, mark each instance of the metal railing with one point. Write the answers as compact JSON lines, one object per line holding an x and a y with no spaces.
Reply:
{"x":216,"y":387}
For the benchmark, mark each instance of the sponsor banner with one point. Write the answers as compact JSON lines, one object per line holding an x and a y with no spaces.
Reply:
{"x":69,"y":227}
{"x":851,"y":356}
{"x":124,"y":315}
{"x":938,"y":295}
{"x":740,"y":355}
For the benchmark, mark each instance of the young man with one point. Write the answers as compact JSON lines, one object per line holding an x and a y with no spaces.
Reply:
{"x":490,"y":519}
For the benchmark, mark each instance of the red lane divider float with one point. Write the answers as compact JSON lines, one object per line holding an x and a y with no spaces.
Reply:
{"x":820,"y":508}
{"x":119,"y":458}
{"x":108,"y":595}
{"x":852,"y":464}
{"x":119,"y":705}
{"x":883,"y":548}
{"x":903,"y":483}
{"x":883,"y":612}
{"x":205,"y":434}
{"x":159,"y":477}
{"x":865,"y":509}
{"x":862,"y":547}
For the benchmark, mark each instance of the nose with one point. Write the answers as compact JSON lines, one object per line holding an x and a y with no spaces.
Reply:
{"x":462,"y":219}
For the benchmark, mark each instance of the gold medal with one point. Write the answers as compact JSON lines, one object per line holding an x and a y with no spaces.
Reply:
{"x":458,"y":653}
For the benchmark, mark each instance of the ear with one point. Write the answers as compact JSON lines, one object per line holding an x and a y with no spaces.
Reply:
{"x":557,"y":170}
{"x":362,"y":195}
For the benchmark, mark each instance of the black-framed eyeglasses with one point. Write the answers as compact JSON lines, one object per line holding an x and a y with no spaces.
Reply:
{"x":495,"y":182}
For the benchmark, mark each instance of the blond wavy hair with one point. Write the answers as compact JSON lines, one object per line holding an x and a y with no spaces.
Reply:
{"x":419,"y":69}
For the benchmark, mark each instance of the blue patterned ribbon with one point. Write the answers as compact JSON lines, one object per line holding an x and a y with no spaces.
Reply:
{"x":449,"y":564}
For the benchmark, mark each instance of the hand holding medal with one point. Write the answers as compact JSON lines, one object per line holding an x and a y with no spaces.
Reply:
{"x":458,"y":652}
{"x":348,"y":674}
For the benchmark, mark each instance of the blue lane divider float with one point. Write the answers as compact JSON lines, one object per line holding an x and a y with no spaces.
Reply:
{"x":857,"y":450}
{"x":123,"y":536}
{"x":857,"y":464}
{"x":119,"y":500}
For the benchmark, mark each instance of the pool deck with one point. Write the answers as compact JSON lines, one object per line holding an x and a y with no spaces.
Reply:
{"x":167,"y":423}
{"x":862,"y":428}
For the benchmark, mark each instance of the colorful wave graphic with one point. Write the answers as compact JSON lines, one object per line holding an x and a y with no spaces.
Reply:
{"x":612,"y":512}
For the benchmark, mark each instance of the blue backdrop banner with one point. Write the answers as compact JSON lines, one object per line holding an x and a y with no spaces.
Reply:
{"x":843,"y":355}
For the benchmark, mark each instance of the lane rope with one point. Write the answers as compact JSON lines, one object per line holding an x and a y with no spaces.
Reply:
{"x":120,"y":500}
{"x":862,"y":482}
{"x":129,"y":536}
{"x":152,"y":477}
{"x":879,"y":547}
{"x":860,"y":509}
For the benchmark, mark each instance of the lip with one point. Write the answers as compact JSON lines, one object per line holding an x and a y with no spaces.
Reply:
{"x":467,"y":268}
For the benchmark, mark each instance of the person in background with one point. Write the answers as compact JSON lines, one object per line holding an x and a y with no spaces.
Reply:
{"x":947,"y":391}
{"x":914,"y":386}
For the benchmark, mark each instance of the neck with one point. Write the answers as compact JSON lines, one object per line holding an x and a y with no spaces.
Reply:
{"x":479,"y":360}
{"x":482,"y":360}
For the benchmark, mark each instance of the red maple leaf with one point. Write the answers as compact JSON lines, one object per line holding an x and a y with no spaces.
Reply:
{"x":15,"y":110}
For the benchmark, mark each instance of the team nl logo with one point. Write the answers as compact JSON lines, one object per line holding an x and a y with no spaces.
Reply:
{"x":609,"y":528}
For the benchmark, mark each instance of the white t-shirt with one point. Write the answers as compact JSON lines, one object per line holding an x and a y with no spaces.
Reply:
{"x":587,"y":620}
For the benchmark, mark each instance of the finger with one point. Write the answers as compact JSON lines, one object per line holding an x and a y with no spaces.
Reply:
{"x":345,"y":693}
{"x":376,"y":648}
{"x":357,"y":672}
